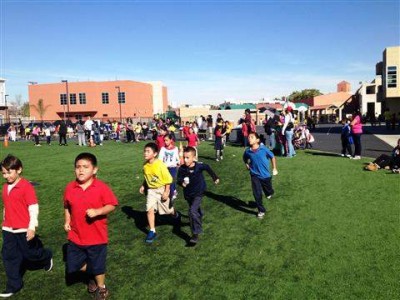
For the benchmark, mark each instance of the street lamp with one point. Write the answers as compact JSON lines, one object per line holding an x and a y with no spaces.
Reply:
{"x":119,"y":102}
{"x":5,"y":102}
{"x":66,"y":87}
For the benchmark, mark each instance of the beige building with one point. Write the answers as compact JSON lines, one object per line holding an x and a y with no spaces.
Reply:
{"x":368,"y":97}
{"x":389,"y":69}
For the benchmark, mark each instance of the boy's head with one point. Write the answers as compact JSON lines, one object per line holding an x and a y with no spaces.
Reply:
{"x":150,"y":151}
{"x":11,"y":168}
{"x":254,"y":138}
{"x":189,"y":155}
{"x":163,"y":131}
{"x":85,"y":167}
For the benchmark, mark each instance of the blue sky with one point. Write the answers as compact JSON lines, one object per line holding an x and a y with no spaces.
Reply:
{"x":203,"y":51}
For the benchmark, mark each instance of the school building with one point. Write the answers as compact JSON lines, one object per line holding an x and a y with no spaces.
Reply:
{"x":119,"y":99}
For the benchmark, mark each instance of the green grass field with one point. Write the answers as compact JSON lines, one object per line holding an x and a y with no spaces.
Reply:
{"x":332,"y":230}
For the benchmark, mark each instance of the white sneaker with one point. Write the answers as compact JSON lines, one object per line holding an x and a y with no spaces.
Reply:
{"x":6,"y":294}
{"x":260,"y":215}
{"x":356,"y":157}
{"x":342,"y":155}
{"x":222,"y":157}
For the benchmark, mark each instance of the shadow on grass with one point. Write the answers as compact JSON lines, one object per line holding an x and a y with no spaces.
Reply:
{"x":207,"y":157}
{"x":233,"y":202}
{"x":140,"y":219}
{"x":321,"y":153}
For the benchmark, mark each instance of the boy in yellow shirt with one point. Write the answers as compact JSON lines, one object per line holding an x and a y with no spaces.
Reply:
{"x":156,"y":186}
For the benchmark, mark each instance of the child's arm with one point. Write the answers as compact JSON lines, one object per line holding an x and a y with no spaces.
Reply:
{"x":33,"y":221}
{"x":165,"y":195}
{"x":102,"y":211}
{"x":274,"y":169}
{"x":67,"y":220}
{"x":211,"y":173}
{"x":143,"y":187}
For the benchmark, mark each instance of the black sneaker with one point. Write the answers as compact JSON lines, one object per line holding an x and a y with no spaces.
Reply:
{"x":49,"y":266}
{"x":194,"y":239}
{"x":91,"y":286}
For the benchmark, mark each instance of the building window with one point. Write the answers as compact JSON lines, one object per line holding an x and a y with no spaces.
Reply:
{"x":104,"y":98}
{"x":121,"y":97}
{"x":72,"y":98}
{"x":371,"y":90}
{"x":82,"y":98}
{"x":78,"y":117}
{"x":63,"y":99}
{"x":392,"y":77}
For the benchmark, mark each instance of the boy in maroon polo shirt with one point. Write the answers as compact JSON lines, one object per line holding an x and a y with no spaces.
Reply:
{"x":87,"y":202}
{"x":20,"y":219}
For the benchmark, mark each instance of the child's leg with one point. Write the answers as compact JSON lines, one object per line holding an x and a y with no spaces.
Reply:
{"x":267,"y":186}
{"x":12,"y":259}
{"x":257,"y":193}
{"x":151,"y":219}
{"x":217,"y":154}
{"x":195,"y":215}
{"x":172,"y":191}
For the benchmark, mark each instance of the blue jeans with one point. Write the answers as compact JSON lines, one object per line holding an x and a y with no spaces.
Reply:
{"x":272,"y":140}
{"x":357,"y":144}
{"x":289,"y":138}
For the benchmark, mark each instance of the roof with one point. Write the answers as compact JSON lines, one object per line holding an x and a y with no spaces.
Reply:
{"x":238,"y":106}
{"x":326,"y":106}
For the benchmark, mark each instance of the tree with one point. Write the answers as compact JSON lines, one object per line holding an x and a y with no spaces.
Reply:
{"x":40,"y":108}
{"x":304,"y":94}
{"x":24,"y":110}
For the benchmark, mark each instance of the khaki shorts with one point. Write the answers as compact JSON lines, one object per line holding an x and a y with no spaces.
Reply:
{"x":154,"y":201}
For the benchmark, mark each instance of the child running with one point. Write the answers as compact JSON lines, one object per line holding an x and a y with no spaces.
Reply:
{"x":191,"y":178}
{"x":87,"y":202}
{"x":20,"y":219}
{"x":170,"y":157}
{"x":156,"y":186}
{"x":256,"y":157}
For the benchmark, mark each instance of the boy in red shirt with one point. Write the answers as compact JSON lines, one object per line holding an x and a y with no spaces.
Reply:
{"x":87,"y":202}
{"x":20,"y":219}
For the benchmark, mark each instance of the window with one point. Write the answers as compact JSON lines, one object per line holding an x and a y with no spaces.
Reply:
{"x":370,"y":90}
{"x":82,"y":98}
{"x":104,"y":98}
{"x":121,"y":97}
{"x":72,"y":99}
{"x":392,"y":77}
{"x":63,"y":99}
{"x":78,"y":117}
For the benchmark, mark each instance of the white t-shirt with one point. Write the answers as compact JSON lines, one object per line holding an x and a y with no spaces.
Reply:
{"x":88,"y":124}
{"x":170,"y":157}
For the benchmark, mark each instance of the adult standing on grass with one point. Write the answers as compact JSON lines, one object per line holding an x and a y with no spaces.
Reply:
{"x":62,"y":133}
{"x":190,"y":177}
{"x":287,"y":129}
{"x":256,"y":157}
{"x":210,"y":127}
{"x":20,"y":219}
{"x":87,"y":202}
{"x":356,"y":132}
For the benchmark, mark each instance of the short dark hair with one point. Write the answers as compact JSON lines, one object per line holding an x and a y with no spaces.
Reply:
{"x":169,"y":135}
{"x":152,"y":146}
{"x":11,"y":162}
{"x":87,"y":156}
{"x":190,"y":149}
{"x":255,"y":134}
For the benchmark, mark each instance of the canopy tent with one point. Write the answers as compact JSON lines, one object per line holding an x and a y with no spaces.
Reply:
{"x":301,"y":107}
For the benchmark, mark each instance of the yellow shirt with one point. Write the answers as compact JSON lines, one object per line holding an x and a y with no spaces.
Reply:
{"x":156,"y":174}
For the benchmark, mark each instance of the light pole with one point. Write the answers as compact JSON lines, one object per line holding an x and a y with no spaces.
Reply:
{"x":66,"y":87}
{"x":119,"y":102}
{"x":5,"y":102}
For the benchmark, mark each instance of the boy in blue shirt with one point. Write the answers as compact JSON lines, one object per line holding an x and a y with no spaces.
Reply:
{"x":191,"y":178}
{"x":256,"y":157}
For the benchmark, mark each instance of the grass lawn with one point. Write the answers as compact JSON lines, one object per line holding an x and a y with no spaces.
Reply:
{"x":332,"y":230}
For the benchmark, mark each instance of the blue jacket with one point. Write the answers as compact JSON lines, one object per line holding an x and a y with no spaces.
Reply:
{"x":258,"y":161}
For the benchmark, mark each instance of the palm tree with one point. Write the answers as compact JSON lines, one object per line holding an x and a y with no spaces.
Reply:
{"x":40,"y":108}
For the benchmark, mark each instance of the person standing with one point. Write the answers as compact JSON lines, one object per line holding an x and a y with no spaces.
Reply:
{"x":62,"y":132}
{"x":356,"y":132}
{"x":80,"y":130}
{"x":346,"y":138}
{"x":210,"y":127}
{"x":20,"y":220}
{"x":287,"y":129}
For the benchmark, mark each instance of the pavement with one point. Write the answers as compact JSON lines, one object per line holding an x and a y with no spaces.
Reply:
{"x":375,"y":141}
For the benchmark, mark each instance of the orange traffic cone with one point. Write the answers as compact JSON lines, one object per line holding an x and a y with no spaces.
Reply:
{"x":6,"y":141}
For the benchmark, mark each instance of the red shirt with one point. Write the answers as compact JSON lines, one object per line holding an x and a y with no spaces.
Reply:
{"x":87,"y":231}
{"x":245,"y":130}
{"x":160,"y":141}
{"x":192,"y":139}
{"x":185,"y":131}
{"x":22,"y":195}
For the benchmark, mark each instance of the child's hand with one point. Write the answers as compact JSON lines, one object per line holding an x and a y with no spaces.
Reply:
{"x":216,"y":181}
{"x":141,"y":190}
{"x":91,"y":212}
{"x":165,"y":196}
{"x":67,"y":227}
{"x":274,"y":172}
{"x":247,"y":166}
{"x":30,"y":234}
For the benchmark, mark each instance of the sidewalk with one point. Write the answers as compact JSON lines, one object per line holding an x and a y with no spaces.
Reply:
{"x":388,"y":136}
